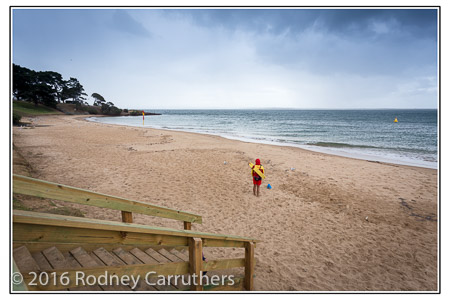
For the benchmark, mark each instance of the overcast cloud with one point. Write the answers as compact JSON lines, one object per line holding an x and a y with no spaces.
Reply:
{"x":250,"y":58}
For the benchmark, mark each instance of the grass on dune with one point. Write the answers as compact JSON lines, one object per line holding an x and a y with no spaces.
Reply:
{"x":28,"y":108}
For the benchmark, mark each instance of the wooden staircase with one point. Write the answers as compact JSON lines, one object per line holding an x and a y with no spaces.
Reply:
{"x":50,"y":251}
{"x":51,"y":259}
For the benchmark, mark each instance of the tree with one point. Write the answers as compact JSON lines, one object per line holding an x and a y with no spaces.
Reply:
{"x":55,"y":81}
{"x":47,"y":87}
{"x":43,"y":93}
{"x":109,"y":109}
{"x":73,"y":90}
{"x":38,"y":87}
{"x":99,"y":100}
{"x":23,"y":81}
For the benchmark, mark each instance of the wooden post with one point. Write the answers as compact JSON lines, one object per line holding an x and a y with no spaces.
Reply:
{"x":127,"y":217}
{"x":195,"y":262}
{"x":249,"y":265}
{"x":187,"y":225}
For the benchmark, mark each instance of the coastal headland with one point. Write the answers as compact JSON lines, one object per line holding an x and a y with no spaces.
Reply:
{"x":329,"y":223}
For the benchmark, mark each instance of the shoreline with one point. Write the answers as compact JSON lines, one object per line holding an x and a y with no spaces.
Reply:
{"x":312,"y":148}
{"x":332,"y":224}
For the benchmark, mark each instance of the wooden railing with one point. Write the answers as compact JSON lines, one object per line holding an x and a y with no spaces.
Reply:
{"x":38,"y":231}
{"x":44,"y":189}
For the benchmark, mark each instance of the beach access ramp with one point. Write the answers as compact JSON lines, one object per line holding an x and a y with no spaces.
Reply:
{"x":56,"y":252}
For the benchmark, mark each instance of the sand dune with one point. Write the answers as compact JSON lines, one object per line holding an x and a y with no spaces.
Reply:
{"x":332,"y":224}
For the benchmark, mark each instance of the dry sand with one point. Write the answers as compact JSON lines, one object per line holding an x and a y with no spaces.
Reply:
{"x":332,"y":224}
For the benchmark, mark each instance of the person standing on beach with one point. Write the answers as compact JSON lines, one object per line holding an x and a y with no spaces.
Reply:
{"x":257,"y":180}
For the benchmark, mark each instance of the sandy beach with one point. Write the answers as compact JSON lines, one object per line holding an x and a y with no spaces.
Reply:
{"x":330,"y":224}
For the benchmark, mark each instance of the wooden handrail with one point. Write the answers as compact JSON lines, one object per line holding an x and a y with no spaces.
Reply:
{"x":210,"y":239}
{"x":38,"y":231}
{"x":44,"y":189}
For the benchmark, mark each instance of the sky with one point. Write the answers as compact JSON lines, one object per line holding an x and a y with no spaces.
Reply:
{"x":237,"y":58}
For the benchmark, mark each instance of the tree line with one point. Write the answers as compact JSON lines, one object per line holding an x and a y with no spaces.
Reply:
{"x":45,"y":87}
{"x":49,"y":88}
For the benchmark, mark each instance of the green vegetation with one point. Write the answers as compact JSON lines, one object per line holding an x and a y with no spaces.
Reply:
{"x":26,"y":108}
{"x":135,"y":113}
{"x":110,"y":109}
{"x":45,"y":87}
{"x":16,"y":118}
{"x":92,"y":111}
{"x":99,"y":100}
{"x":21,"y":109}
{"x":48,"y":91}
{"x":107,"y":108}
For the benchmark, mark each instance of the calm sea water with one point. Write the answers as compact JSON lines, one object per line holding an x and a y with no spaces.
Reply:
{"x":365,"y":134}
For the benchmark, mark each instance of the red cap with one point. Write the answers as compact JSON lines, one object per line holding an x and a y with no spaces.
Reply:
{"x":257,"y":162}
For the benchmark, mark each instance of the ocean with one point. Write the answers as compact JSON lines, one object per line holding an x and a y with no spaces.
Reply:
{"x":363,"y":134}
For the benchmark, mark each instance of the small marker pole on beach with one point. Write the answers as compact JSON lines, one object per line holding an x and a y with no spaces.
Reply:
{"x":143,"y":114}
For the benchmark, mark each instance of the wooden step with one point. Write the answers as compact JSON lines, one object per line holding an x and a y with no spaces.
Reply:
{"x":130,"y":259}
{"x":89,"y":261}
{"x":76,"y":265}
{"x":78,"y":258}
{"x":56,"y":259}
{"x":24,"y":261}
{"x":160,"y":259}
{"x":179,"y":254}
{"x":164,"y":256}
{"x":156,"y":255}
{"x":43,"y":263}
{"x":146,"y":259}
{"x":142,"y":256}
{"x":107,"y":259}
{"x":83,"y":258}
{"x":169,"y":256}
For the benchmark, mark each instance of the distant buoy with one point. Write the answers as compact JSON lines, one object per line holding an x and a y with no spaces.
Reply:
{"x":395,"y":121}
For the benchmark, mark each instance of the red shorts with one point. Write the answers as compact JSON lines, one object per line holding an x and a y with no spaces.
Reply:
{"x":257,"y":182}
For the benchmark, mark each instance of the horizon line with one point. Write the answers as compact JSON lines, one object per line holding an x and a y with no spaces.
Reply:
{"x":281,"y":108}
